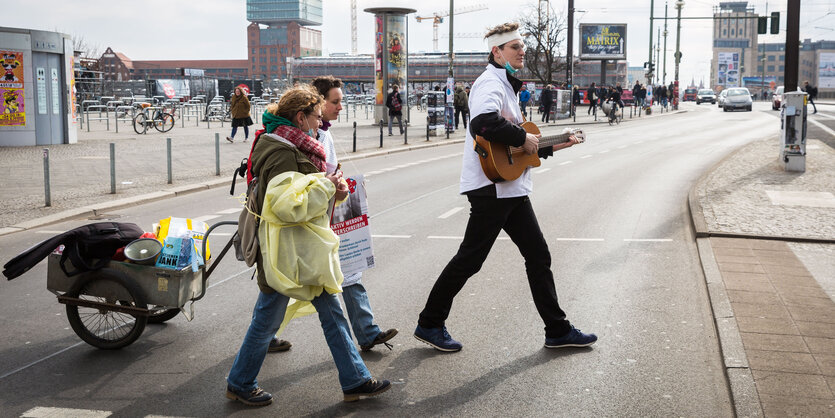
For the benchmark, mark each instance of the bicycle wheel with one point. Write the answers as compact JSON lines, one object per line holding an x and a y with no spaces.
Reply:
{"x":163,"y":122}
{"x":140,"y":123}
{"x":162,"y":316}
{"x":102,"y":328}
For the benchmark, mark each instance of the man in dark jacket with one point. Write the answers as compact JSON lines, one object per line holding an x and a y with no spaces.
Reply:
{"x":395,"y":105}
{"x":592,"y":95}
{"x":547,"y":100}
{"x":460,"y":103}
{"x":812,"y":91}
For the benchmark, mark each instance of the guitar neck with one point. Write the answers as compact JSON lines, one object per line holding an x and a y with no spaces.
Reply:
{"x":551,"y":140}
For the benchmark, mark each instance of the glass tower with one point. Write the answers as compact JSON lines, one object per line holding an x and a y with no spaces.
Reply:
{"x":271,"y":12}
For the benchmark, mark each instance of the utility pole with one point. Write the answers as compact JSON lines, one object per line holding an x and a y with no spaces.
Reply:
{"x":451,"y":18}
{"x":569,"y":56}
{"x":664,"y":71}
{"x":679,"y":5}
{"x":649,"y":61}
{"x":658,"y":57}
{"x":792,"y":44}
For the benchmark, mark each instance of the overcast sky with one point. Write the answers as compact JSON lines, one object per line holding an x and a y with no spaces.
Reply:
{"x":216,"y":29}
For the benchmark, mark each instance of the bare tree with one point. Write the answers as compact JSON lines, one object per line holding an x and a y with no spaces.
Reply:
{"x":544,"y":33}
{"x":87,"y":48}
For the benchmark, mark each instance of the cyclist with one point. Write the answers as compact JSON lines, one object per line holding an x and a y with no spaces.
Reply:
{"x":614,"y":98}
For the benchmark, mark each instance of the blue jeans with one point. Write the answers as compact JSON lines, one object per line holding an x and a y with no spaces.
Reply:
{"x":246,"y":131}
{"x":266,"y":318}
{"x":359,"y":312}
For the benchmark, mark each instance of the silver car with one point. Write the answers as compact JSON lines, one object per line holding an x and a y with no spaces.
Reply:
{"x":720,"y":100}
{"x":737,"y":98}
{"x":706,"y":95}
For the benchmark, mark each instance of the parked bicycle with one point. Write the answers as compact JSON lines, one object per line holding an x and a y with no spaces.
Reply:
{"x":161,"y":120}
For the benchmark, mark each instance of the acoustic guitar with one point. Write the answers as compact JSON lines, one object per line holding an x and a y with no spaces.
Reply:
{"x":502,"y":162}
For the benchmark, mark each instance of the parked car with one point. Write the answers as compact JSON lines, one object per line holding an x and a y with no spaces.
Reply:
{"x":738,"y":98}
{"x":720,"y":100}
{"x":690,"y":95}
{"x":706,"y":95}
{"x":777,"y":98}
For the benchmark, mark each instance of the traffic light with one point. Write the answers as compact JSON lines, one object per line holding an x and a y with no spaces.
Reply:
{"x":775,"y":23}
{"x":762,"y":25}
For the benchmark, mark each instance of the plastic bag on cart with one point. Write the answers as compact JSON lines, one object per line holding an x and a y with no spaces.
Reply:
{"x":184,"y":228}
{"x":178,"y":253}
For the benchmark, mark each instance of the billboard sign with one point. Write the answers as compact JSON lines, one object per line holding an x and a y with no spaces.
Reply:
{"x":727,"y":71}
{"x":826,"y":70}
{"x":602,"y":41}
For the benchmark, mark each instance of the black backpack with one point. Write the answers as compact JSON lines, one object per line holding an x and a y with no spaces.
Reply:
{"x":88,"y":247}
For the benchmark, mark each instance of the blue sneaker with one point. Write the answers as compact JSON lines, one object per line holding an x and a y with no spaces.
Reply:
{"x":574,"y":338}
{"x":438,"y":338}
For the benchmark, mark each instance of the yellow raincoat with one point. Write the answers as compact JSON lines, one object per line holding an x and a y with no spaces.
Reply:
{"x":299,"y":250}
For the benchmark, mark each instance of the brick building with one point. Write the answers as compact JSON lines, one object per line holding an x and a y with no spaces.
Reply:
{"x":116,"y":66}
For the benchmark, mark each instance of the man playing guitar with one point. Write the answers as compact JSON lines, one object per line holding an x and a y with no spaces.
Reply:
{"x":499,"y":206}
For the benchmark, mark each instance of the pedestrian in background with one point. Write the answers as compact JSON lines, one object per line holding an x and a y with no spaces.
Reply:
{"x":524,"y":98}
{"x":239,"y":107}
{"x":812,"y":91}
{"x":460,"y":102}
{"x":591,"y":93}
{"x":395,"y":105}
{"x":547,"y":100}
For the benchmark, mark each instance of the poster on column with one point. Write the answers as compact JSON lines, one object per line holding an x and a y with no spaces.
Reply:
{"x":378,"y":60}
{"x":350,"y":221}
{"x":12,"y":106}
{"x":396,"y":26}
{"x":826,"y":70}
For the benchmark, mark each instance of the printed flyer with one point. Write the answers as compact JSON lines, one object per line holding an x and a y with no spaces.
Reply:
{"x":12,"y":109}
{"x":350,"y":222}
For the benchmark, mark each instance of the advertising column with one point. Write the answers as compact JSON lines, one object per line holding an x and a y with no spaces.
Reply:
{"x":390,"y":57}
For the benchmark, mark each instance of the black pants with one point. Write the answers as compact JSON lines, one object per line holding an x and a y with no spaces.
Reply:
{"x":812,"y":102}
{"x":546,"y":112}
{"x":488,"y":216}
{"x":592,"y":104}
{"x":463,"y":112}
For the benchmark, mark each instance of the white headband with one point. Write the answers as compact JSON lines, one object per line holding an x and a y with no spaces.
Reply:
{"x":502,"y":38}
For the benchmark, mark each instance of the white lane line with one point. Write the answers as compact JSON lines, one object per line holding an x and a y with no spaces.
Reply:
{"x":390,"y":236}
{"x":566,"y":162}
{"x":622,"y":147}
{"x":822,"y":126}
{"x":639,"y":142}
{"x":371,"y":173}
{"x":581,"y":239}
{"x":604,"y":151}
{"x":824,"y":115}
{"x":49,"y":232}
{"x":586,"y":156}
{"x":49,"y":412}
{"x":82,"y":342}
{"x":229,"y":211}
{"x":408,"y":202}
{"x":443,"y":237}
{"x":541,"y":170}
{"x":205,"y":218}
{"x":450,"y":212}
{"x":647,"y":240}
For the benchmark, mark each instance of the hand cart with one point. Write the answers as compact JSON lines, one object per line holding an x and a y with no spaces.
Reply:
{"x":108,"y":308}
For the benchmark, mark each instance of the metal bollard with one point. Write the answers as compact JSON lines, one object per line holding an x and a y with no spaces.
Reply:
{"x":47,"y":194}
{"x":217,"y":154}
{"x":112,"y":168}
{"x":427,"y":128}
{"x":406,"y":133}
{"x":168,"y":158}
{"x":381,"y":133}
{"x":106,"y":117}
{"x":348,"y":114}
{"x":355,"y":137}
{"x":88,"y":120}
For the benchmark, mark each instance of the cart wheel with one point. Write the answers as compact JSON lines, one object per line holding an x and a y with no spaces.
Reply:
{"x":105,"y":329}
{"x":162,"y":316}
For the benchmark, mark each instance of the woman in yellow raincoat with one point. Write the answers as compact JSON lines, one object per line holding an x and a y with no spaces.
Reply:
{"x":299,"y":252}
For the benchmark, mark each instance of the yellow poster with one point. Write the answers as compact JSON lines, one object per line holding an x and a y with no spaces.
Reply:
{"x":12,"y":109}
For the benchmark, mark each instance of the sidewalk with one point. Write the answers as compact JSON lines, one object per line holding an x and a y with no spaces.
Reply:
{"x":80,"y":179}
{"x":766,"y":238}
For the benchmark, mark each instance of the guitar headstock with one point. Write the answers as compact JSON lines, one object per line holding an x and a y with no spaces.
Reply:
{"x":579,"y":134}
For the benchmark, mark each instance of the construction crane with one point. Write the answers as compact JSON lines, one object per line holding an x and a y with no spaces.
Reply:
{"x":463,"y":35}
{"x":438,"y":18}
{"x":353,"y":27}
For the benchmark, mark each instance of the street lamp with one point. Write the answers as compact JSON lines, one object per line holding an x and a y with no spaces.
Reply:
{"x":679,"y":5}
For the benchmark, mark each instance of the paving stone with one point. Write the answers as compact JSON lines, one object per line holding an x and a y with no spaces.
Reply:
{"x":782,"y":270}
{"x":766,"y":325}
{"x":785,"y":289}
{"x":793,"y":406}
{"x":723,"y":258}
{"x":813,"y":313}
{"x":774,"y":342}
{"x":760,"y":310}
{"x":744,"y":252}
{"x":770,"y":245}
{"x":822,"y":301}
{"x":816,"y":329}
{"x":742,"y":296}
{"x":791,"y":384}
{"x":747,"y":284}
{"x":741,"y":268}
{"x":721,"y":242}
{"x":803,"y":281}
{"x":820,"y":345}
{"x":782,"y":361}
{"x":826,"y":363}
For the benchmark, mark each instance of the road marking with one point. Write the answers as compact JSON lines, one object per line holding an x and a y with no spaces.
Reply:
{"x":825,"y":116}
{"x":49,"y":232}
{"x":541,"y":170}
{"x":565,"y":162}
{"x":622,"y":147}
{"x":371,"y":173}
{"x":647,"y":240}
{"x":581,"y":239}
{"x":229,"y":211}
{"x":604,"y":151}
{"x":204,"y":218}
{"x":48,"y":412}
{"x":822,"y":126}
{"x":412,"y":200}
{"x":390,"y":236}
{"x":450,"y":212}
{"x":639,"y":142}
{"x":443,"y":237}
{"x":586,"y":156}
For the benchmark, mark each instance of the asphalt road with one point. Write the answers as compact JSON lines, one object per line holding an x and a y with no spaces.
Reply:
{"x":626,"y":267}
